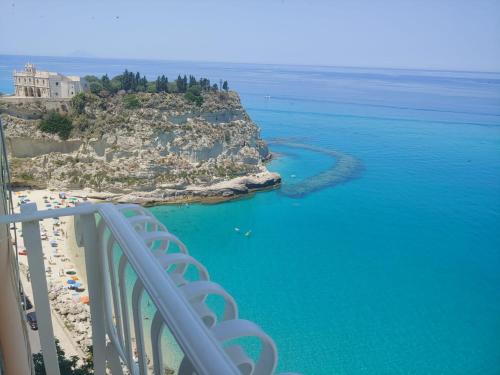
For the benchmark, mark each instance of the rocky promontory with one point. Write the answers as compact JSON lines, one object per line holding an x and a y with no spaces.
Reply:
{"x":149,"y":148}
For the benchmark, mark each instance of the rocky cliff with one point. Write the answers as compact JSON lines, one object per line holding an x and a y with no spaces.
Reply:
{"x":163,"y":149}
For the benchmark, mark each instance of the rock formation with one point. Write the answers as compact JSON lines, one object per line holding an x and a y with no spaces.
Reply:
{"x":167,"y":149}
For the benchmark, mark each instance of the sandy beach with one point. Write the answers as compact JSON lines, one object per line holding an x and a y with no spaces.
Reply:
{"x":65,"y":269}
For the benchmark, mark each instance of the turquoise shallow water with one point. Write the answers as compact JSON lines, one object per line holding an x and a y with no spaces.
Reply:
{"x":394,"y":272}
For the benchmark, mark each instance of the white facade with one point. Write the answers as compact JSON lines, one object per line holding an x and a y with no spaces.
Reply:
{"x":41,"y":84}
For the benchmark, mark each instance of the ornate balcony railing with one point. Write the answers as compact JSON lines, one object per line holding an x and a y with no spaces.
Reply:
{"x":149,"y":299}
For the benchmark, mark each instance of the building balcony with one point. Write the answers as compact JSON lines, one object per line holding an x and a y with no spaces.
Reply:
{"x":149,"y":299}
{"x":153,"y":307}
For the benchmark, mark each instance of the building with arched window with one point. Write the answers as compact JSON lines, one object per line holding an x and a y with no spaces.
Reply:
{"x":42,"y":84}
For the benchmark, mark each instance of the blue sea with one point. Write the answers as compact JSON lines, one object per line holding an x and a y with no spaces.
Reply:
{"x":394,"y":270}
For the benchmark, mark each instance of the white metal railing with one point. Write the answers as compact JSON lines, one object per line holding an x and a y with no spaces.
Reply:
{"x":122,"y":239}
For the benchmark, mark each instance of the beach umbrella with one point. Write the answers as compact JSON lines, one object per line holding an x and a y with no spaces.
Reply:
{"x":77,"y":285}
{"x":70,"y":281}
{"x":74,"y":277}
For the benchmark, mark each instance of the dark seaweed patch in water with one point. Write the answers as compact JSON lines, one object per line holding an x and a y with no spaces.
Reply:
{"x":345,"y":168}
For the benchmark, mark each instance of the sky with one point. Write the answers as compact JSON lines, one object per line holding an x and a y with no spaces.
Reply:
{"x":427,"y":34}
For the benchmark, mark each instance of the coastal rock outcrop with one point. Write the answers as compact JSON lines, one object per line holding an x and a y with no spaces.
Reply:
{"x":165,"y":149}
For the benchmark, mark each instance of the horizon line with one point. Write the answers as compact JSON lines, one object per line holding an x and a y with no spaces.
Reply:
{"x":259,"y":63}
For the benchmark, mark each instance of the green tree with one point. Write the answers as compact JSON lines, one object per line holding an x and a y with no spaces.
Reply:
{"x":125,"y":78}
{"x":158,"y":84}
{"x":115,"y":86}
{"x":130,"y":101}
{"x":225,"y":87}
{"x":144,"y":83}
{"x":192,"y":81}
{"x":106,"y":83}
{"x":137,"y":81}
{"x":95,"y":87}
{"x":162,"y":84}
{"x":132,"y":81}
{"x":78,"y":103}
{"x":172,"y":86}
{"x":91,"y":78}
{"x":193,"y":95}
{"x":67,"y":366}
{"x":205,"y":84}
{"x":165,"y":84}
{"x":179,"y":83}
{"x":184,"y":83}
{"x":55,"y":123}
{"x":151,"y":87}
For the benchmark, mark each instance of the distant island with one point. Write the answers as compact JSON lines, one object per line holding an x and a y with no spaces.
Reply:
{"x":132,"y":140}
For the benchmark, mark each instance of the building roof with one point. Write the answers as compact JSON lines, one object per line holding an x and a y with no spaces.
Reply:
{"x":30,"y":71}
{"x":37,"y":74}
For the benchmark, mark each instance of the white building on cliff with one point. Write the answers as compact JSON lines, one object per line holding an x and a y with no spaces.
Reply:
{"x":41,"y":84}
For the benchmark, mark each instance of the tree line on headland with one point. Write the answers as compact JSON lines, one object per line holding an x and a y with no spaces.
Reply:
{"x":134,"y":82}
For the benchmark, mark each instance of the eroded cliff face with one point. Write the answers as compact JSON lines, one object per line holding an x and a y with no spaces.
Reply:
{"x":167,"y":146}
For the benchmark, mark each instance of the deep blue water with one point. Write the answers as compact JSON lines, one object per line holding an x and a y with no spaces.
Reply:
{"x":394,"y":272}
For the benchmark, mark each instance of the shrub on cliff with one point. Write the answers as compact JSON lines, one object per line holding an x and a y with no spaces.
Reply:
{"x":193,"y":95}
{"x":55,"y":123}
{"x":130,"y":101}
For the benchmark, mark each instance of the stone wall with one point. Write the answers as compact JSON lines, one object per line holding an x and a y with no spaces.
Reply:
{"x":49,"y":103}
{"x":30,"y":147}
